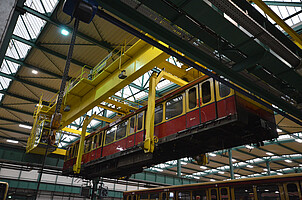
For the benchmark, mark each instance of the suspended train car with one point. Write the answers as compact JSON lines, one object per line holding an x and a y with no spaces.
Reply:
{"x":202,"y":116}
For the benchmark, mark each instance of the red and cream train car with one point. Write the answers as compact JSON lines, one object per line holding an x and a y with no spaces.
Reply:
{"x":285,"y":187}
{"x":203,"y":116}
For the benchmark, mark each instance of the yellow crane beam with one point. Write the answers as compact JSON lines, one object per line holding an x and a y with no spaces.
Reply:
{"x":112,"y":109}
{"x":123,"y":106}
{"x":105,"y":119}
{"x":86,"y":94}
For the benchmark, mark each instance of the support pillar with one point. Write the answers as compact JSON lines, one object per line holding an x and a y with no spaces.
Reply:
{"x":94,"y":192}
{"x":231,"y":164}
{"x":178,"y":168}
{"x":268,"y":168}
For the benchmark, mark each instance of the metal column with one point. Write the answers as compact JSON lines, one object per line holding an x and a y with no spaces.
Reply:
{"x":268,"y":168}
{"x":231,"y":164}
{"x":178,"y":168}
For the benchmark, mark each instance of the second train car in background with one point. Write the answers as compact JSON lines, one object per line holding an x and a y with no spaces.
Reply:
{"x":202,"y":116}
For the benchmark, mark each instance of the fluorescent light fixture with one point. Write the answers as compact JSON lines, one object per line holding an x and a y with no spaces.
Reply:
{"x":203,"y":167}
{"x":212,"y":180}
{"x":270,"y":154}
{"x":279,"y":173}
{"x":277,"y":192}
{"x":234,"y":160}
{"x":265,"y":170}
{"x":279,"y":130}
{"x":12,"y":141}
{"x":220,"y":172}
{"x":249,"y":146}
{"x":34,"y":71}
{"x":236,"y":175}
{"x":64,"y":32}
{"x":299,"y":140}
{"x":25,"y":126}
{"x":212,"y":154}
{"x":266,"y":190}
{"x":250,"y":166}
{"x":288,"y":161}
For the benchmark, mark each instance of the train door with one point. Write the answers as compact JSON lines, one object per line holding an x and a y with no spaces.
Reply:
{"x":224,"y":193}
{"x":163,"y":196}
{"x":207,"y":101}
{"x":246,"y":192}
{"x":213,"y":194}
{"x":225,"y":100}
{"x":199,"y":194}
{"x":270,"y":192}
{"x":192,"y":105}
{"x":292,"y":191}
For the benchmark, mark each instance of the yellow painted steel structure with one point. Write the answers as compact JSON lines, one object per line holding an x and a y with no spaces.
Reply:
{"x":150,"y":140}
{"x":83,"y":94}
{"x":296,"y":37}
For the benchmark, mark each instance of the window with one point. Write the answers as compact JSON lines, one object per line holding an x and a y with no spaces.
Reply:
{"x":224,"y":90}
{"x":171,"y":196}
{"x":95,"y":139}
{"x":143,"y":197}
{"x":164,"y":196}
{"x":100,"y":138}
{"x":174,"y":107}
{"x":110,"y":135}
{"x":199,"y":195}
{"x":268,"y":192}
{"x":224,"y":194}
{"x":206,"y":92}
{"x":140,"y":119}
{"x":186,"y":195}
{"x":121,"y":130}
{"x":214,"y":194}
{"x":154,"y":196}
{"x":192,"y":98}
{"x":132,"y":125}
{"x":75,"y":149}
{"x":87,"y":145}
{"x":244,"y":193}
{"x":292,"y":191}
{"x":158,"y":114}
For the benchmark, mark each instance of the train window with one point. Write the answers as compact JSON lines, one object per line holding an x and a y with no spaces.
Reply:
{"x":132,"y":125}
{"x":186,"y":195}
{"x":110,"y":135}
{"x":76,"y":147}
{"x":163,"y":196}
{"x":174,"y":107}
{"x":100,"y":138}
{"x":292,"y":191}
{"x":244,"y":193}
{"x":267,"y":192}
{"x":154,"y":196}
{"x":199,"y":195}
{"x":121,"y":130}
{"x":158,"y":117}
{"x":171,"y":196}
{"x":206,"y":92}
{"x":192,"y":98}
{"x":95,"y":140}
{"x":88,"y":144}
{"x":140,"y":120}
{"x":224,"y":194}
{"x":214,"y":194}
{"x":134,"y":197}
{"x":143,"y":197}
{"x":224,"y":90}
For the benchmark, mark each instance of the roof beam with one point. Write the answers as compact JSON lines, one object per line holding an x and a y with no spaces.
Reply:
{"x":15,"y":121}
{"x":281,"y":3}
{"x":12,"y":138}
{"x":22,"y":63}
{"x":16,"y":110}
{"x":103,"y":44}
{"x":54,"y":53}
{"x":5,"y":92}
{"x":14,"y":131}
{"x":9,"y":76}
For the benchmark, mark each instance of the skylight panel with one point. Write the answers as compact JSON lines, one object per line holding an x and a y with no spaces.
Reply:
{"x":4,"y":82}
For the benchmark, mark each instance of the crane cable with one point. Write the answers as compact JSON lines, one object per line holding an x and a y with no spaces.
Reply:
{"x":60,"y":97}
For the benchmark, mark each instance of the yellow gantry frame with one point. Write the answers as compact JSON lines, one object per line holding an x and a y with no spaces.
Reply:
{"x":149,"y":142}
{"x":296,"y":37}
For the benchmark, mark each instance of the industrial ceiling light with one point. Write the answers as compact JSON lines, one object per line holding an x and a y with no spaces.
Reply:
{"x":212,"y":180}
{"x":270,"y":154}
{"x":34,"y":71}
{"x":249,"y":146}
{"x":64,"y":32}
{"x":288,"y":161}
{"x":203,"y":167}
{"x":12,"y":141}
{"x":212,"y":154}
{"x":250,"y":166}
{"x":220,"y":172}
{"x":25,"y":126}
{"x":298,"y":140}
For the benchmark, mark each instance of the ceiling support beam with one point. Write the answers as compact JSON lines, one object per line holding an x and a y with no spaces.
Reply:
{"x":5,"y":92}
{"x":16,"y":110}
{"x":9,"y":76}
{"x":46,"y":50}
{"x":14,"y":131}
{"x":22,"y":63}
{"x":103,"y":44}
{"x":15,"y":121}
